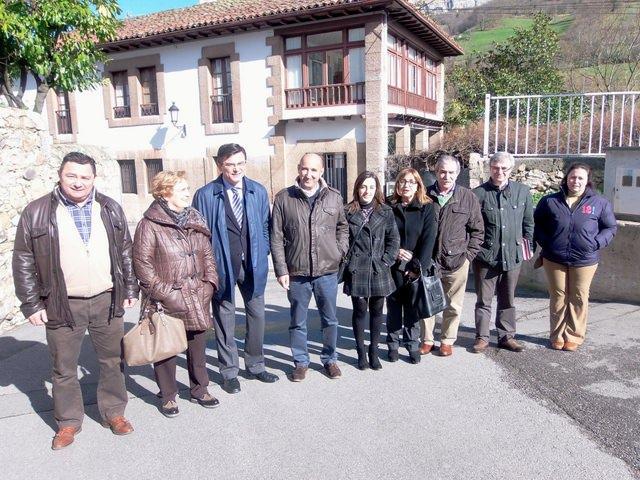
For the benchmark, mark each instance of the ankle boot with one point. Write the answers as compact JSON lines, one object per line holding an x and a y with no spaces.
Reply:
{"x":362,"y":358}
{"x":374,"y":361}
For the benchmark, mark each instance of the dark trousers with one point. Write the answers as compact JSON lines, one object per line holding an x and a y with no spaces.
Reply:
{"x":224,"y":322}
{"x":165,"y":370}
{"x":359,"y":320}
{"x":490,"y":281}
{"x":402,"y":319}
{"x":65,"y":343}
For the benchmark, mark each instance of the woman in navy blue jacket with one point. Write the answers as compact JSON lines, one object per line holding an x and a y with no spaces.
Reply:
{"x":571,"y":227}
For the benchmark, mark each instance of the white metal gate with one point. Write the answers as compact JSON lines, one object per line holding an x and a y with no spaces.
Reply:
{"x":561,"y":125}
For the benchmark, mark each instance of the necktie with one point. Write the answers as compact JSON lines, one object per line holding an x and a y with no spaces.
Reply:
{"x":236,"y":205}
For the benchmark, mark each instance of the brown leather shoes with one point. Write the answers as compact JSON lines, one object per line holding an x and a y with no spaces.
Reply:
{"x":64,"y":437}
{"x":511,"y":345}
{"x":333,"y":371}
{"x":118,"y":425}
{"x":446,"y":350}
{"x":299,"y":374}
{"x":480,"y":345}
{"x":556,"y":345}
{"x":425,"y":348}
{"x":570,"y":346}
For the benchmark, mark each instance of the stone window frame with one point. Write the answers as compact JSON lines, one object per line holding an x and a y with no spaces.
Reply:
{"x":52,"y":106}
{"x":132,"y":66}
{"x":205,"y":85}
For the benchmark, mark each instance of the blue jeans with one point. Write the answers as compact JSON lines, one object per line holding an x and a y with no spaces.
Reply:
{"x":325,"y":291}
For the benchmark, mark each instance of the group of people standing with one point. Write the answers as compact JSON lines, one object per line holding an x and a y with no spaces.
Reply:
{"x":76,"y":268}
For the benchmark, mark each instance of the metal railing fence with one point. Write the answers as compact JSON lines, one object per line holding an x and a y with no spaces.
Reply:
{"x":561,"y":125}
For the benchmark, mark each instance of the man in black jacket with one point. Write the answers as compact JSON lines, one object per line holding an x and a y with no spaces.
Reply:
{"x":72,"y":271}
{"x":460,"y":234}
{"x":507,"y":212}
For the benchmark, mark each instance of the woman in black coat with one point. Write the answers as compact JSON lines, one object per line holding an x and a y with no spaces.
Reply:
{"x":373,"y":247}
{"x":416,"y":221}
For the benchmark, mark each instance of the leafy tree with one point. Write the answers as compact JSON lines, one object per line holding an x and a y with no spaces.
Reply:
{"x":524,"y":64}
{"x":56,"y":41}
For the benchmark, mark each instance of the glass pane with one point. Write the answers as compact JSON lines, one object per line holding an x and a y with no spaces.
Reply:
{"x":637,"y":181}
{"x":121,"y":88}
{"x":356,"y":34}
{"x":62,"y":100}
{"x":412,"y":78}
{"x":292,"y":43}
{"x":391,"y":41}
{"x":221,"y":76}
{"x":315,"y":62}
{"x":335,"y":64}
{"x":627,"y":181}
{"x":356,"y":65}
{"x":327,"y":38}
{"x":294,"y":71}
{"x":412,"y":53}
{"x":148,"y":85}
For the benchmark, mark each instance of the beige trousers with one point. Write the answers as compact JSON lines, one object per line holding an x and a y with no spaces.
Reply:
{"x":568,"y":300}
{"x":454,"y":285}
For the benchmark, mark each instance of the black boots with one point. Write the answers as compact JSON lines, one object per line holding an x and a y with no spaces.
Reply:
{"x":362,"y":359}
{"x":374,"y":361}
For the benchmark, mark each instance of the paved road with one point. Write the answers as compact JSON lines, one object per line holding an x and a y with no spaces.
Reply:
{"x":539,"y":414}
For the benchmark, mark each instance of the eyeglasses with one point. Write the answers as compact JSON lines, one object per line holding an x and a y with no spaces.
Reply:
{"x":408,"y":182}
{"x":234,"y":165}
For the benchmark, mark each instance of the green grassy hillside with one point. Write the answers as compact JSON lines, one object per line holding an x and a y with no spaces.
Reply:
{"x":476,"y":41}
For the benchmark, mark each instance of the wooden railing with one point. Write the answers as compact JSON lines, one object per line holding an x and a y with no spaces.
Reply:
{"x":221,"y":108}
{"x":123,"y":111}
{"x":325,"y":95}
{"x":148,"y":109}
{"x":397,"y":96}
{"x":63,"y":118}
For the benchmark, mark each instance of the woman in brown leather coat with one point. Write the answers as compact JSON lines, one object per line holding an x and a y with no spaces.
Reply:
{"x":174,"y":263}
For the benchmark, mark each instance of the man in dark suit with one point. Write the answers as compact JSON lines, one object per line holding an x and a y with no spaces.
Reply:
{"x":236,"y":209}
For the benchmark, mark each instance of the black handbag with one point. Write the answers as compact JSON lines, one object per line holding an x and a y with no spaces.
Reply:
{"x":345,"y":259}
{"x":427,"y":295}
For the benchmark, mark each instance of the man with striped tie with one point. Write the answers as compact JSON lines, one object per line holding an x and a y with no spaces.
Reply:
{"x":236,"y":209}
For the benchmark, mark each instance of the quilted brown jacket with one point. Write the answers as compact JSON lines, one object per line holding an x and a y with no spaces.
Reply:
{"x":175,"y":266}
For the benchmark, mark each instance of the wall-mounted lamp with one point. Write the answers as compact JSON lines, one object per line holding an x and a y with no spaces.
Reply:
{"x":174,"y":111}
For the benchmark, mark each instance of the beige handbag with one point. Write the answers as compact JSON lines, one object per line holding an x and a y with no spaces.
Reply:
{"x":156,"y":336}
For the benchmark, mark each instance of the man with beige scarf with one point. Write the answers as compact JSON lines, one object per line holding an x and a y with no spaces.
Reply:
{"x":72,"y":271}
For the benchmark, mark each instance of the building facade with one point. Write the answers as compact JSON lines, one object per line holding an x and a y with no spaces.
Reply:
{"x":353,"y":80}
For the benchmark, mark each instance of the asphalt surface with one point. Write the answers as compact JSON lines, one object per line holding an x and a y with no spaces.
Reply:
{"x":537,"y":414}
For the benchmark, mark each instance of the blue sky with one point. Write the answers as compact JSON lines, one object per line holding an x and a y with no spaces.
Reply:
{"x":142,"y":7}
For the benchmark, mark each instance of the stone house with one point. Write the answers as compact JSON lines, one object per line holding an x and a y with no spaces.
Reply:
{"x":353,"y":80}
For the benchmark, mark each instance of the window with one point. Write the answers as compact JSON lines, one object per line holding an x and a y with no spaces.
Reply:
{"x":134,"y":91}
{"x":154,"y":166}
{"x":128,"y":176}
{"x":329,"y":59}
{"x":221,"y":109}
{"x":149,"y":91}
{"x":335,"y":171}
{"x":63,"y":114}
{"x":412,"y":71}
{"x":120,"y":81}
{"x":219,"y":92}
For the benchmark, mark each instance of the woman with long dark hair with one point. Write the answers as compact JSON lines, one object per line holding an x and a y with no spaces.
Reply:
{"x":373,"y":246}
{"x":416,"y":220}
{"x":571,"y":227}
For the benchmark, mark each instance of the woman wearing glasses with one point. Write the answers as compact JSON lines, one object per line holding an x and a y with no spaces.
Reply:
{"x":373,"y":247}
{"x":416,"y":221}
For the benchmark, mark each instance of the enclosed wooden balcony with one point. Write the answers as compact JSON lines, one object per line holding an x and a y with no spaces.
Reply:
{"x":325,"y":95}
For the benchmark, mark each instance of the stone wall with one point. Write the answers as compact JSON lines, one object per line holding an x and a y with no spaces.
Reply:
{"x":540,"y":174}
{"x":29,"y":163}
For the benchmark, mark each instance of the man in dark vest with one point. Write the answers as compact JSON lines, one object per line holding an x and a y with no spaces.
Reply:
{"x":237,"y":212}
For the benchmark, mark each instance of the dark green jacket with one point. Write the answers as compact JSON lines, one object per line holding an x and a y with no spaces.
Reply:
{"x":508,"y":218}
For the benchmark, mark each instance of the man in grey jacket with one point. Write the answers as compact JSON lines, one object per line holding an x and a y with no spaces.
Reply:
{"x":507,"y":212}
{"x":309,"y":236}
